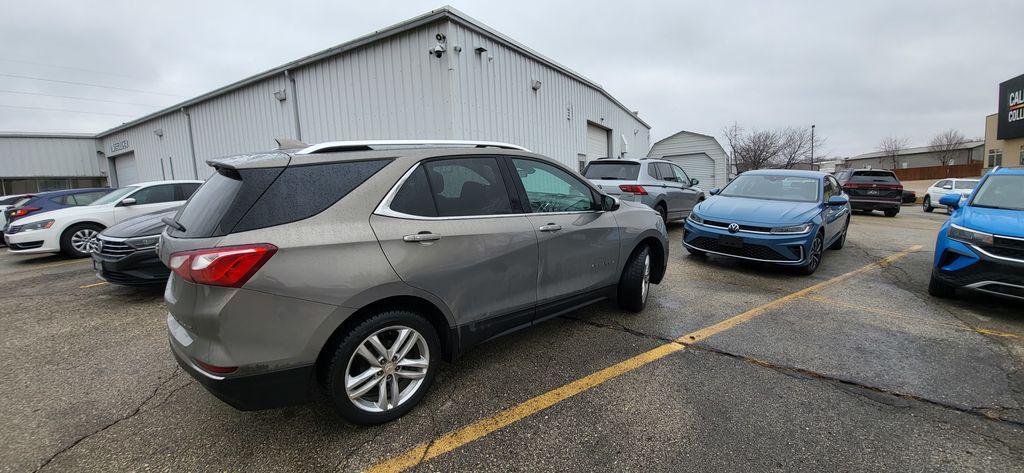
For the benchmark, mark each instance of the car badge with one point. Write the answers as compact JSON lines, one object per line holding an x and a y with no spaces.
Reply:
{"x":733,"y":228}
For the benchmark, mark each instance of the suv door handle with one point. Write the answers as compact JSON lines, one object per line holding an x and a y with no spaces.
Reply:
{"x":551,"y":227}
{"x":421,"y":237}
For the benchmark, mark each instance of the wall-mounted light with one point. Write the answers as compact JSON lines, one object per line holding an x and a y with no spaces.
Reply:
{"x":480,"y":50}
{"x":159,"y":132}
{"x":281,"y":95}
{"x":535,"y":85}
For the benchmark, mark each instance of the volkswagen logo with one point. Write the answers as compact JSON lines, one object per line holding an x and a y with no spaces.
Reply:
{"x":733,"y":228}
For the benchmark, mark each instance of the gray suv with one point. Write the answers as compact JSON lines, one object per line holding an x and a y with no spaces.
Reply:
{"x":356,"y":267}
{"x":660,"y":184}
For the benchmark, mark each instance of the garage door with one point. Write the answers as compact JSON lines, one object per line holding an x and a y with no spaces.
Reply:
{"x":597,"y":143}
{"x":125,"y":170}
{"x":699,"y":166}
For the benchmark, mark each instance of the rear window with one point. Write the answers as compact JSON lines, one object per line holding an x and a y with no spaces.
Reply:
{"x":612,"y":171}
{"x":10,"y":200}
{"x":965,"y":184}
{"x":873,"y":177}
{"x":249,"y":199}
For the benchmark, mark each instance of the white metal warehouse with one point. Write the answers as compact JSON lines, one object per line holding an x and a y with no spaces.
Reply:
{"x":441,"y":75}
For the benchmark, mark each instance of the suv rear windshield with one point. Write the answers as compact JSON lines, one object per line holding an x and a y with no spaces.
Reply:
{"x":248,"y":199}
{"x":873,"y":177}
{"x":619,"y":171}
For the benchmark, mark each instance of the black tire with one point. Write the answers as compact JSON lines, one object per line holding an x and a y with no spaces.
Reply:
{"x":71,"y":238}
{"x":940,"y":288}
{"x":662,"y":211}
{"x":634,"y":285}
{"x":340,"y":364}
{"x":891,"y":212}
{"x":927,"y":205}
{"x":817,"y":252}
{"x":841,"y":241}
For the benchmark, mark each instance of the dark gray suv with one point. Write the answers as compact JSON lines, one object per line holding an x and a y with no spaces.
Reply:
{"x":355,"y":267}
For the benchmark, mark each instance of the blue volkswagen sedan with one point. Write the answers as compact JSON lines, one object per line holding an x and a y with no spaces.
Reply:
{"x":775,"y":216}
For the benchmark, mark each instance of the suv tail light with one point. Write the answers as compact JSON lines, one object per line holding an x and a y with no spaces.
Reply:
{"x":23,"y":211}
{"x":229,"y":266}
{"x":633,"y":189}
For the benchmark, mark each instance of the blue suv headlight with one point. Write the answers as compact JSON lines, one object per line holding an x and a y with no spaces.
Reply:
{"x":967,"y":235}
{"x":696,"y":218}
{"x":793,"y":229}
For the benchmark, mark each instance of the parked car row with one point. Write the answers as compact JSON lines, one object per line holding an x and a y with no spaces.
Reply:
{"x":400,"y":254}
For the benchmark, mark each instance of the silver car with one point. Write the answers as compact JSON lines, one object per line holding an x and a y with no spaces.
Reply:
{"x":661,"y":184}
{"x":356,"y":267}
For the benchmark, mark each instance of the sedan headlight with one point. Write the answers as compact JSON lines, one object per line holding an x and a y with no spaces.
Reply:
{"x":793,"y":229}
{"x":40,"y":225}
{"x":967,"y":235}
{"x":144,"y":242}
{"x":696,"y":218}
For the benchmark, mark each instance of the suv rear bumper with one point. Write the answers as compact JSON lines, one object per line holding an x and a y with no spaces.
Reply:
{"x":254,"y":392}
{"x":861,"y":203}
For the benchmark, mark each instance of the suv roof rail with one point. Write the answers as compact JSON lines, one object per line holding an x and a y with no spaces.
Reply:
{"x":338,"y":146}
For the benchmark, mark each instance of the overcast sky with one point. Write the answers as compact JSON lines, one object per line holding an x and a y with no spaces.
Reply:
{"x":858,"y":72}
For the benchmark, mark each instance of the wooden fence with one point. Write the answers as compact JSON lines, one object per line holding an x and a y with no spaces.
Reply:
{"x":940,"y":172}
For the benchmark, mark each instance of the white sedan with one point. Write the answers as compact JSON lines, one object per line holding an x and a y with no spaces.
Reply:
{"x":962,"y":187}
{"x":71,"y":230}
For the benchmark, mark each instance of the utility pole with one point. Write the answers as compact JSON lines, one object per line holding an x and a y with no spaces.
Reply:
{"x":812,"y":147}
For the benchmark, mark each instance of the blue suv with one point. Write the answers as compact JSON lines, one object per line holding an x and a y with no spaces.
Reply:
{"x":981,"y":246}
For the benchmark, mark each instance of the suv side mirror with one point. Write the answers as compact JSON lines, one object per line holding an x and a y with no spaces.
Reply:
{"x":127,"y":202}
{"x":950,"y":200}
{"x":609,"y":203}
{"x":694,"y":181}
{"x":714,"y":191}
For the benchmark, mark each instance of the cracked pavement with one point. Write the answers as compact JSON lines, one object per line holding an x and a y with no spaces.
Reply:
{"x":871,"y":373}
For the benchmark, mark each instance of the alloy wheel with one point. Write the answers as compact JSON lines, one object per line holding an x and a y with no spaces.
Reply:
{"x":81,"y":240}
{"x":387,"y":369}
{"x":816,"y":251}
{"x":645,"y":287}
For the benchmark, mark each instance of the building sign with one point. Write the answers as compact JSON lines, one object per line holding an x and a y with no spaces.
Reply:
{"x":1011,"y":109}
{"x":119,"y":146}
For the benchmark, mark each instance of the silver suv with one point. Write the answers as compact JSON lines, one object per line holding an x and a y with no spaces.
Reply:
{"x":660,"y":184}
{"x":357,"y":267}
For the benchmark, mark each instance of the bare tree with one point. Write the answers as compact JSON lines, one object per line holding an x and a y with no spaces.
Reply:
{"x":891,"y":146}
{"x":947,"y":145}
{"x":778,"y":148}
{"x":796,"y":147}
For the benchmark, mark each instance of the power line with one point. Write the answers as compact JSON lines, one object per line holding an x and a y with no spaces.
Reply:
{"x":68,"y":111}
{"x":16,"y":76}
{"x":76,"y":98}
{"x":71,"y":68}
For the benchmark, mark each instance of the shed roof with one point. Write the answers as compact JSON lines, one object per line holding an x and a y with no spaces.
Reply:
{"x":917,"y":150}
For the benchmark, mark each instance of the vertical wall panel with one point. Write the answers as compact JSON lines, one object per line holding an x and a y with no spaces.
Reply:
{"x":41,"y":156}
{"x":153,"y":153}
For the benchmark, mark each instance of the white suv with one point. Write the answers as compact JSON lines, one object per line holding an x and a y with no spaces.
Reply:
{"x":963,"y":187}
{"x":71,"y":230}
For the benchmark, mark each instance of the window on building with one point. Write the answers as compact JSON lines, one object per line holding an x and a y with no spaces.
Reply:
{"x":995,"y":158}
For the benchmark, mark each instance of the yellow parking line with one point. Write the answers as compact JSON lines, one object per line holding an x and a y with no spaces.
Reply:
{"x":92,"y":285}
{"x":462,"y":436}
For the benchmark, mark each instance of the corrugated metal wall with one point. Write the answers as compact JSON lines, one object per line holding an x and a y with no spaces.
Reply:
{"x":46,"y":156}
{"x":494,"y":100}
{"x":391,"y":89}
{"x":693,"y":143}
{"x":155,"y":154}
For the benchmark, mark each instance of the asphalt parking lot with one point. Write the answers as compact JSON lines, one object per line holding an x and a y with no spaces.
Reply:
{"x":732,"y":366}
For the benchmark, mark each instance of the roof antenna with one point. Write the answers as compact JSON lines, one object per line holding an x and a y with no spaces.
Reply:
{"x":288,"y":143}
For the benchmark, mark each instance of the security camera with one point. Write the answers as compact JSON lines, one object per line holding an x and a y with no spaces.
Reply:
{"x":437,"y":51}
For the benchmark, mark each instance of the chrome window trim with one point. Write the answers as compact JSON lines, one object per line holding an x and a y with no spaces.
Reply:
{"x":800,"y":260}
{"x":384,"y":207}
{"x":978,"y":287}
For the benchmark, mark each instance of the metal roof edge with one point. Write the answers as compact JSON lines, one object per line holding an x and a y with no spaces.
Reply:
{"x":445,"y":12}
{"x":32,"y":134}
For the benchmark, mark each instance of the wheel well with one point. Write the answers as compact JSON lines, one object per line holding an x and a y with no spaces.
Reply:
{"x":658,"y":259}
{"x":73,"y":225}
{"x":416,"y":304}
